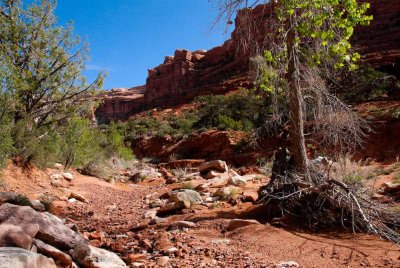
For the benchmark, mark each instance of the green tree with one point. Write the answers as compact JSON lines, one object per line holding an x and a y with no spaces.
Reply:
{"x":42,"y":66}
{"x":302,"y":35}
{"x":80,"y":144}
{"x":115,"y":142}
{"x":6,"y":142}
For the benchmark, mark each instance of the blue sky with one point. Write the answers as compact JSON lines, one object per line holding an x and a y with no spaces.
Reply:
{"x":127,"y":37}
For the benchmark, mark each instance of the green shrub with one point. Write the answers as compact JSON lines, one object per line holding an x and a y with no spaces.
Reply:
{"x":366,"y":83}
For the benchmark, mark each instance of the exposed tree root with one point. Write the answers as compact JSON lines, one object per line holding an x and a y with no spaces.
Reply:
{"x":323,"y":202}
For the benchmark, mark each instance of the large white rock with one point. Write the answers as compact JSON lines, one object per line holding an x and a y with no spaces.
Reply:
{"x":20,"y":258}
{"x":90,"y":257}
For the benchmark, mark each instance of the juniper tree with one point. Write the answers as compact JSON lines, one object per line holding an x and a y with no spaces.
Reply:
{"x":42,"y":66}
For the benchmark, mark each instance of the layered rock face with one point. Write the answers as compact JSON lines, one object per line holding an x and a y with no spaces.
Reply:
{"x":119,"y":103}
{"x":187,"y":74}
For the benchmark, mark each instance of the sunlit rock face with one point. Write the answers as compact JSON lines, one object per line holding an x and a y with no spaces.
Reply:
{"x":186,"y":74}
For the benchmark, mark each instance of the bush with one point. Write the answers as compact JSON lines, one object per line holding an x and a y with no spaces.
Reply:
{"x":115,"y":142}
{"x":366,"y":83}
{"x":244,"y":110}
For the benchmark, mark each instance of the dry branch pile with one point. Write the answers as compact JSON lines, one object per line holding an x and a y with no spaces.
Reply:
{"x":322,"y":202}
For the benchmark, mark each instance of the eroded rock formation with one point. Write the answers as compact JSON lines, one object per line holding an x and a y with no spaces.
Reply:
{"x":224,"y":68}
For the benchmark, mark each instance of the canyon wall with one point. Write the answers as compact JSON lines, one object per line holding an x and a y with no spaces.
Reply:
{"x":187,"y":74}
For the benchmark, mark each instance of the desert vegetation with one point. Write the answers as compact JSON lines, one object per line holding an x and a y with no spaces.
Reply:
{"x":45,"y":99}
{"x":303,"y":147}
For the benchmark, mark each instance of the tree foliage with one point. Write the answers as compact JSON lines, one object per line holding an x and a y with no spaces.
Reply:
{"x":41,"y":77}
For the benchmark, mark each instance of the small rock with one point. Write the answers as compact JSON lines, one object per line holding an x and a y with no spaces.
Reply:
{"x":57,"y":183}
{"x":132,"y":258}
{"x":68,"y":176}
{"x":237,"y":181}
{"x":151,"y":214}
{"x":58,"y":166}
{"x":216,"y":165}
{"x":170,"y":207}
{"x":250,"y":196}
{"x":181,"y":224}
{"x":146,"y":244}
{"x":239,"y":223}
{"x":162,"y":261}
{"x":56,"y":176}
{"x":78,"y":197}
{"x":156,"y":203}
{"x":390,"y":187}
{"x":221,"y":241}
{"x":72,"y":200}
{"x":37,"y":205}
{"x":288,"y":264}
{"x":171,"y":251}
{"x":187,"y":197}
{"x":138,"y":265}
{"x":228,"y":191}
{"x":97,"y":235}
{"x":212,"y":174}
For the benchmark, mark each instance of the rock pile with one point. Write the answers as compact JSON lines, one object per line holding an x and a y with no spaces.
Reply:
{"x":29,"y":238}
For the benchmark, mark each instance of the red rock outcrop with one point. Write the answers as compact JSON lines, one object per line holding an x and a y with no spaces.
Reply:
{"x":187,"y":74}
{"x":119,"y":103}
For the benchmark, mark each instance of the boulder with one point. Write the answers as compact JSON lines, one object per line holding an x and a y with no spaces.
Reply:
{"x":58,"y":256}
{"x":51,"y":229}
{"x":216,"y":165}
{"x":239,"y":223}
{"x":186,"y":197}
{"x":21,"y":258}
{"x":90,"y":257}
{"x":17,"y":236}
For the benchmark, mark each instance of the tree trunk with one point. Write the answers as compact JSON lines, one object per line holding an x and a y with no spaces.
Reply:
{"x":296,"y":103}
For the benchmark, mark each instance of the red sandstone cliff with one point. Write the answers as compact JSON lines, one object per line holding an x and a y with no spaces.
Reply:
{"x":224,"y":68}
